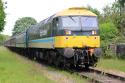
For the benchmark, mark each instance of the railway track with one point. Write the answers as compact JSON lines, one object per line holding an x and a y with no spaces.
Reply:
{"x":94,"y":75}
{"x":98,"y":76}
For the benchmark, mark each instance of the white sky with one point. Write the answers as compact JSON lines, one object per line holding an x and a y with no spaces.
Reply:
{"x":41,"y":9}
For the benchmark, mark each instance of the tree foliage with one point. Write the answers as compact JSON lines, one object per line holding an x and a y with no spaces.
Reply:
{"x":94,"y":10}
{"x":109,"y":34}
{"x":108,"y":31}
{"x":2,"y":16}
{"x":121,"y":2}
{"x":3,"y":38}
{"x":113,"y":14}
{"x":119,"y":17}
{"x":112,"y":24}
{"x":22,"y":24}
{"x":110,"y":13}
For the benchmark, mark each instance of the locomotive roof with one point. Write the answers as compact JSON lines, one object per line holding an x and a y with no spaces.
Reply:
{"x":69,"y":12}
{"x":76,"y":11}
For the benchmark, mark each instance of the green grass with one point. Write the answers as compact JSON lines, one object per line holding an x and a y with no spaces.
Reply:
{"x":113,"y":64}
{"x":14,"y":69}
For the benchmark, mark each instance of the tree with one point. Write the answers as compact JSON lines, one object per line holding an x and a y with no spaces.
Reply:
{"x":113,"y":14}
{"x":118,"y":15}
{"x":22,"y":24}
{"x":3,"y":38}
{"x":2,"y":16}
{"x":94,"y":10}
{"x":107,"y":14}
{"x":122,"y":2}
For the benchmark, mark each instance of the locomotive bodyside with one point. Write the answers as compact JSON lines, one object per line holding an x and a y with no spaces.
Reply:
{"x":39,"y":36}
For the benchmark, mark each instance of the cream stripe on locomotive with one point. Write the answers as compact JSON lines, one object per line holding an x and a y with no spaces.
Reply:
{"x":21,"y":45}
{"x":42,"y":43}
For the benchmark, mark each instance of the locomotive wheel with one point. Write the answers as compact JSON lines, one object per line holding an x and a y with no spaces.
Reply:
{"x":50,"y":61}
{"x":32,"y":55}
{"x":56,"y":59}
{"x":37,"y":55}
{"x":72,"y":66}
{"x":86,"y":66}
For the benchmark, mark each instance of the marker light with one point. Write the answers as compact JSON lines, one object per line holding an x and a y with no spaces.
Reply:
{"x":68,"y":32}
{"x":93,"y":32}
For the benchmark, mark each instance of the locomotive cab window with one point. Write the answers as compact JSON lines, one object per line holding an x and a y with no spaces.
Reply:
{"x":71,"y":23}
{"x":89,"y":23}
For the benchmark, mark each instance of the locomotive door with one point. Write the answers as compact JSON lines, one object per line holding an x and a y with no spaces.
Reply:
{"x":55,"y":25}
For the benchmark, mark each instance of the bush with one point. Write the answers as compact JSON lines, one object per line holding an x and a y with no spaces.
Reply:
{"x":3,"y":38}
{"x":109,"y":34}
{"x":109,"y":54}
{"x":108,"y":31}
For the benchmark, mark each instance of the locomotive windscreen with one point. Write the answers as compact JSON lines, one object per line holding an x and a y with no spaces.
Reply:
{"x":71,"y":23}
{"x":89,"y":23}
{"x":76,"y":23}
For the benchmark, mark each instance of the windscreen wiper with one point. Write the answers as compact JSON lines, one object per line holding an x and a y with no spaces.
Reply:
{"x":72,"y":19}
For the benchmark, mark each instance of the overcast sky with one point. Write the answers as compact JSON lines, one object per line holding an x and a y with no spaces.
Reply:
{"x":41,"y":9}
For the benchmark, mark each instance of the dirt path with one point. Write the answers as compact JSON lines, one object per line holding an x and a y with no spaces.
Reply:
{"x":55,"y":75}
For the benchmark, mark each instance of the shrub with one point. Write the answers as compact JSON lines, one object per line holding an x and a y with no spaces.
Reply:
{"x":108,"y":31}
{"x":109,"y":34}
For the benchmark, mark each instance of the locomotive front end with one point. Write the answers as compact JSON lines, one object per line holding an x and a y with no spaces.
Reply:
{"x":78,"y":38}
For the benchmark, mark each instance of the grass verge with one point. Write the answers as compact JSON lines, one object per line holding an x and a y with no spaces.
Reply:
{"x":14,"y":69}
{"x":112,"y":64}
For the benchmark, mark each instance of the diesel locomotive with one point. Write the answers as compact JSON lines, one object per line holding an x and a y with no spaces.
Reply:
{"x":67,"y":38}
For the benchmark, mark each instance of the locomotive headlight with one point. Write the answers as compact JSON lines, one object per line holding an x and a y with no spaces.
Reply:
{"x":94,"y":32}
{"x":68,"y":32}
